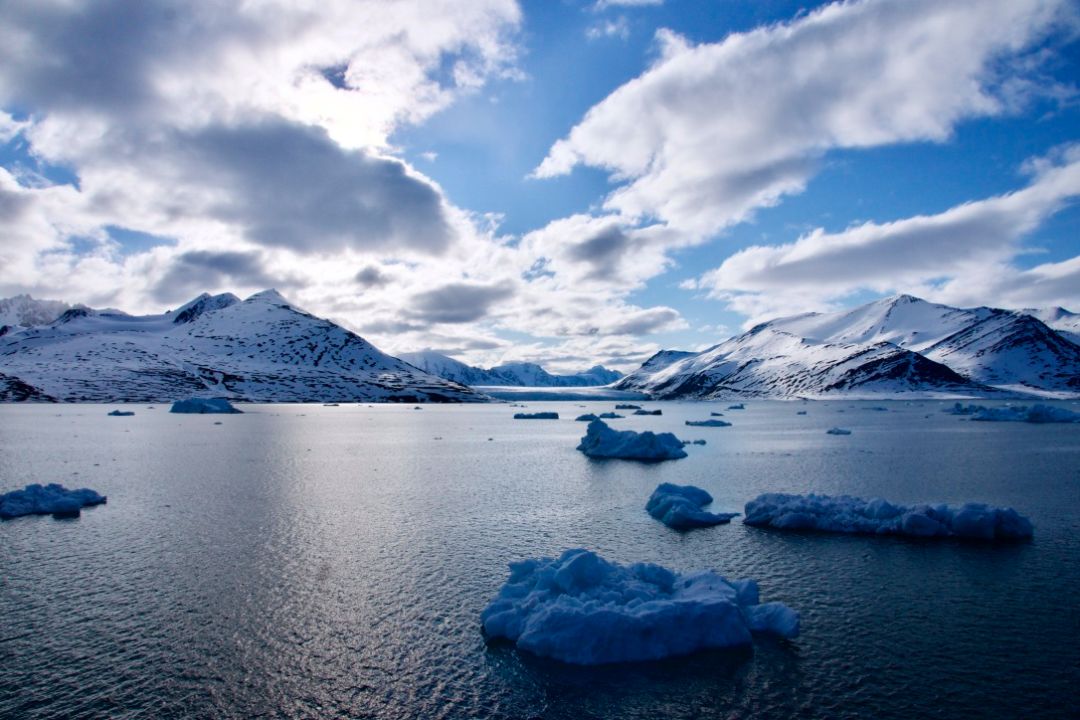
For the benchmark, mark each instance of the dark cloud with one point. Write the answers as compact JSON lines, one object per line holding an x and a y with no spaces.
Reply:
{"x":372,"y":276}
{"x":458,"y":302}
{"x":645,"y":322}
{"x":201,"y":270}
{"x":603,"y":251}
{"x":289,"y":185}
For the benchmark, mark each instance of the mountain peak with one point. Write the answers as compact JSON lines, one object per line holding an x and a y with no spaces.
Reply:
{"x":270,"y":295}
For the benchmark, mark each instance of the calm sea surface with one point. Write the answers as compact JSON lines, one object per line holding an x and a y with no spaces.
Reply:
{"x":309,"y":561}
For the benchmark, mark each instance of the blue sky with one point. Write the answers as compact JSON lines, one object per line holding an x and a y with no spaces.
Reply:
{"x":582,"y":182}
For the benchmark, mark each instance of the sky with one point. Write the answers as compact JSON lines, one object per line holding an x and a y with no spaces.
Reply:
{"x":556,"y":181}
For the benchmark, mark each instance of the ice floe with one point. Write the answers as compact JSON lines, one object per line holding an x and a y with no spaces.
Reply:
{"x":52,"y":499}
{"x":537,"y":416}
{"x":837,"y":431}
{"x":203,"y":406}
{"x":121,"y":413}
{"x":583,"y":609}
{"x":648,"y":412}
{"x":679,"y":507}
{"x":846,"y":514}
{"x":739,"y":406}
{"x":708,"y":423}
{"x":587,"y":417}
{"x":627,"y":406}
{"x":601,"y":441}
{"x":610,"y":416}
{"x":1034,"y":414}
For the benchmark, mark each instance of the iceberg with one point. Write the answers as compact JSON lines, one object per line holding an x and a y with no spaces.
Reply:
{"x":679,"y":507}
{"x":627,"y":406}
{"x":846,"y":514}
{"x":801,"y":412}
{"x":1035,"y":414}
{"x":580,"y":608}
{"x":648,"y":412}
{"x":587,"y":417}
{"x":708,"y":423}
{"x":121,"y":413}
{"x":699,"y":441}
{"x":739,"y":406}
{"x":716,"y":414}
{"x":837,"y":431}
{"x":202,"y":406}
{"x":601,"y":441}
{"x":52,"y":499}
{"x":610,"y":416}
{"x":537,"y":416}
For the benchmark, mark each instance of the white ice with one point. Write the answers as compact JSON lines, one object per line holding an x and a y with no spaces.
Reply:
{"x":846,"y":514}
{"x":202,"y":406}
{"x":680,"y":507}
{"x":583,"y":609}
{"x":601,"y":441}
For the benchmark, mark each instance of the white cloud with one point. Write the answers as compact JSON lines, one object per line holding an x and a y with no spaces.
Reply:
{"x":714,"y":131}
{"x":619,"y":27}
{"x":961,"y":255}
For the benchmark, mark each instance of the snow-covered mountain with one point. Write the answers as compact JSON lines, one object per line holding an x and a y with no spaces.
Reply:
{"x":24,"y":311}
{"x":509,"y":374}
{"x":1058,"y":318}
{"x":262,"y":349}
{"x":895,"y":345}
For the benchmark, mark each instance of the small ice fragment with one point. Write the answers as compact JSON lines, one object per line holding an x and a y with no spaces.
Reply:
{"x":708,"y":423}
{"x":838,"y":431}
{"x":537,"y":416}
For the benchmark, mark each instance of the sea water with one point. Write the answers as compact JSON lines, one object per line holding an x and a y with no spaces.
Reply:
{"x":310,"y":561}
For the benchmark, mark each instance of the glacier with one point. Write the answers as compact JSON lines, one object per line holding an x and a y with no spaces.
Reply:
{"x":580,"y":608}
{"x":601,"y":441}
{"x":847,"y":514}
{"x":680,"y":507}
{"x":204,"y":406}
{"x":51,"y":499}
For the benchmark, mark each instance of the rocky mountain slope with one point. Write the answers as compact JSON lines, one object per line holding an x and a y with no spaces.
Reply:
{"x":262,"y":349}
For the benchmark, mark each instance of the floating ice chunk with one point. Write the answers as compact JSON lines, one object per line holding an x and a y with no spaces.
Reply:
{"x":699,"y":441}
{"x":958,"y":409}
{"x":716,"y":414}
{"x":583,"y":609}
{"x":846,"y":514}
{"x":601,"y":441}
{"x":610,"y":416}
{"x":837,"y":431}
{"x":648,"y":412}
{"x":1035,"y":414}
{"x":587,"y":417}
{"x":627,"y":406}
{"x":708,"y":423}
{"x":537,"y":416}
{"x":801,"y":412}
{"x":679,"y":507}
{"x":52,"y":499}
{"x":121,"y":413}
{"x":739,"y":406}
{"x":201,"y":406}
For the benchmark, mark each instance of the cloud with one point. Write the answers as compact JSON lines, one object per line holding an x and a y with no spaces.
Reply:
{"x":620,"y":28}
{"x":458,"y":302}
{"x":604,"y":4}
{"x":196,"y":271}
{"x":962,"y":253}
{"x":372,"y":276}
{"x":712,"y":132}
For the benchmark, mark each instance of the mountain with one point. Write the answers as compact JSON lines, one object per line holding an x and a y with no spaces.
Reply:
{"x":510,"y":374}
{"x":262,"y":349}
{"x":1064,"y":322}
{"x":894,"y":345}
{"x":25,"y":311}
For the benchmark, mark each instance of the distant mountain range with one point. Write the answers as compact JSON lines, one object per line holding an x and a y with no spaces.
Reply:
{"x":509,"y":374}
{"x":891,"y":346}
{"x":262,"y":349}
